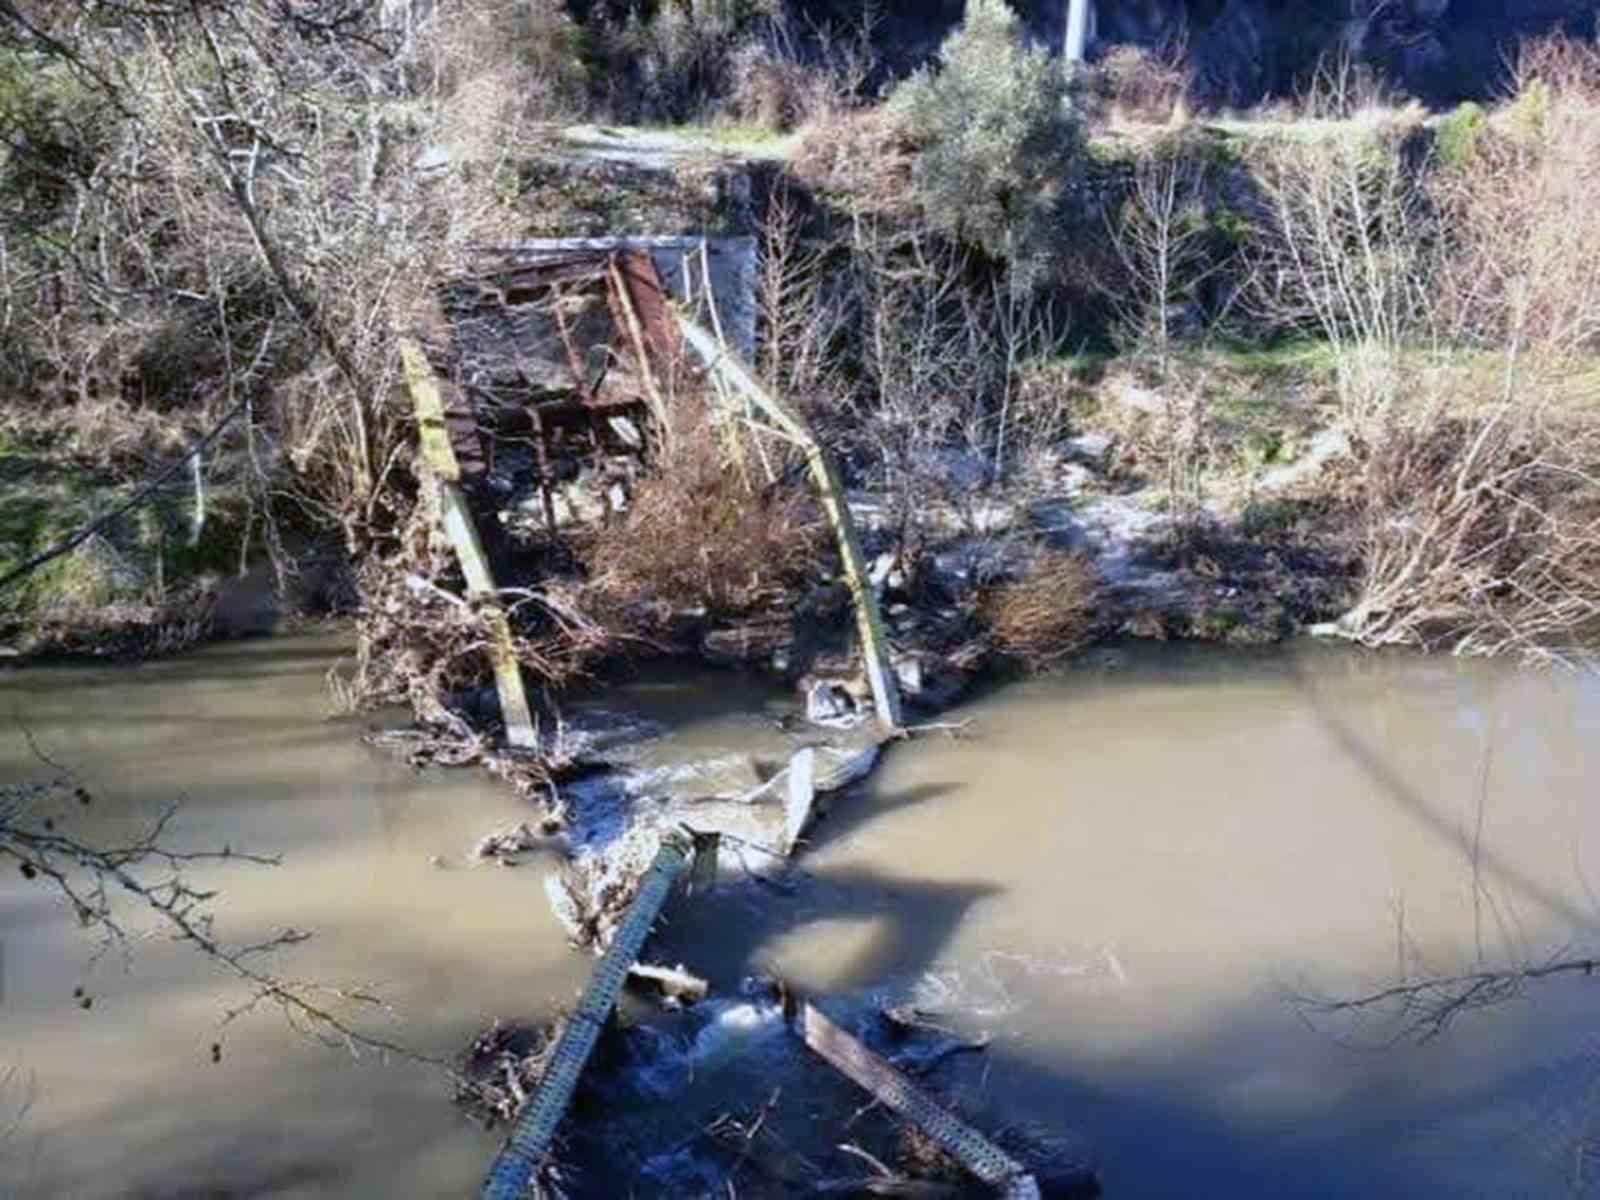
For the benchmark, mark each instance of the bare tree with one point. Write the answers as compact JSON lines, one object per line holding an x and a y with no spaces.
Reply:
{"x":1162,"y":238}
{"x":1482,"y":507}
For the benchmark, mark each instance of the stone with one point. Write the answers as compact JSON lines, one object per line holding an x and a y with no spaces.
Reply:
{"x":1140,"y":399}
{"x":961,"y":469}
{"x":1075,"y":477}
{"x":829,"y":702}
{"x":1091,"y":449}
{"x":972,"y":562}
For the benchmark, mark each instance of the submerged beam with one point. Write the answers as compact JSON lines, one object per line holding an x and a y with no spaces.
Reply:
{"x":529,"y":1144}
{"x":986,"y":1161}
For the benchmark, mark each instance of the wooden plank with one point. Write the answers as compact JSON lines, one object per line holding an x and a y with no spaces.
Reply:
{"x":432,"y":431}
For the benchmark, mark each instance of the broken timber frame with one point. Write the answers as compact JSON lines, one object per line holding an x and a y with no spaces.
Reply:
{"x":439,"y":462}
{"x":869,"y":621}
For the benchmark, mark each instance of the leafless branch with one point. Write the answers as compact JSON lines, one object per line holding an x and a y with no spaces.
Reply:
{"x":1428,"y":1007}
{"x":110,"y":886}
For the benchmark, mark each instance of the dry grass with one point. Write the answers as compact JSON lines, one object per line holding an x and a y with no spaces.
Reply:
{"x":865,"y":155}
{"x":1137,"y":85}
{"x":1046,"y":616}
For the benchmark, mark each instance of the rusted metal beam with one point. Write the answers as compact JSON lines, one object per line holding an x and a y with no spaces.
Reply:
{"x":847,"y":1055}
{"x":622,"y":302}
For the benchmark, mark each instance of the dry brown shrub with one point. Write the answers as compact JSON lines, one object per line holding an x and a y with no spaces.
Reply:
{"x":1139,"y":84}
{"x":1047,"y":615}
{"x":701,"y":534}
{"x":866,"y":155}
{"x":1522,"y":256}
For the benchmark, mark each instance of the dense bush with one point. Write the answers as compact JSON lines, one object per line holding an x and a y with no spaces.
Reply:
{"x":1047,"y":615}
{"x":999,"y":147}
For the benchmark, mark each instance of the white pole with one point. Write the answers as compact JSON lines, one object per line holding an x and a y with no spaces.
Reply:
{"x":1077,"y":31}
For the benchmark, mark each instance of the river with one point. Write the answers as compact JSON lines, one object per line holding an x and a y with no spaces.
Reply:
{"x":1129,"y":875}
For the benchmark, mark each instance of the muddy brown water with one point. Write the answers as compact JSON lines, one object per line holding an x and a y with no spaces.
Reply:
{"x":1124,"y":875}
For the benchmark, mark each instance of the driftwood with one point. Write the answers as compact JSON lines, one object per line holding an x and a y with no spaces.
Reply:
{"x":676,"y":983}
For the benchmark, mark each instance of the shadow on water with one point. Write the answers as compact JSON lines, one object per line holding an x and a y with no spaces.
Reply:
{"x":847,"y":815}
{"x":1448,"y":828}
{"x":737,"y":929}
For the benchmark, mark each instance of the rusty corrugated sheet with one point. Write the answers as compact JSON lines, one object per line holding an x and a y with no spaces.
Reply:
{"x":649,"y":299}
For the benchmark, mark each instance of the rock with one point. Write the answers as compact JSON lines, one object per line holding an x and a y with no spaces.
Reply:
{"x":829,"y":702}
{"x":928,"y":681}
{"x":1058,"y":521}
{"x":1090,"y":449}
{"x":1140,"y":399}
{"x":960,"y":469}
{"x":973,"y":562}
{"x":1075,"y":477}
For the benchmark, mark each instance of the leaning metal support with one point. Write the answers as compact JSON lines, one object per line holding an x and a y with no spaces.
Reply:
{"x":525,"y":1150}
{"x":439,"y":459}
{"x":869,"y":621}
{"x":990,"y":1164}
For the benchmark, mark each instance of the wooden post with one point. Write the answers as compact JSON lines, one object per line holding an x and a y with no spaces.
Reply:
{"x":869,"y":621}
{"x":443,"y":472}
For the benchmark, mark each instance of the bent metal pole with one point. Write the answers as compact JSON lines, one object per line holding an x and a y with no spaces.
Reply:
{"x":869,"y":620}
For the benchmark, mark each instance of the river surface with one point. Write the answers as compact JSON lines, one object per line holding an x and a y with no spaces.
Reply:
{"x":1126,"y":874}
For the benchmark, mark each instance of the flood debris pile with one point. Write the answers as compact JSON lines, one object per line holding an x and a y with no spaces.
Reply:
{"x":748,"y":818}
{"x":656,"y":1104}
